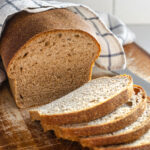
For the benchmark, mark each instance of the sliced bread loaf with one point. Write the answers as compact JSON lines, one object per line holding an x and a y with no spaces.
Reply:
{"x":118,"y":119}
{"x":89,"y":102}
{"x":143,"y":143}
{"x":47,"y":55}
{"x":128,"y":134}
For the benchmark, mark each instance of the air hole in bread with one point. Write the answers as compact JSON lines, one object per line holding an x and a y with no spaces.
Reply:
{"x":77,"y":35}
{"x":47,"y":43}
{"x":21,"y":69}
{"x":58,"y":77}
{"x":25,"y":55}
{"x":19,"y":57}
{"x":69,"y":39}
{"x":54,"y":43}
{"x":69,"y":54}
{"x":13,"y":67}
{"x":89,"y":43}
{"x":34,"y":64}
{"x":136,"y":91}
{"x":137,"y":100}
{"x":93,"y":54}
{"x":59,"y":35}
{"x":93,"y":101}
{"x":69,"y":60}
{"x":129,"y":103}
{"x":63,"y":45}
{"x":41,"y":50}
{"x":69,"y":69}
{"x":72,"y":50}
{"x":21,"y":96}
{"x":41,"y":41}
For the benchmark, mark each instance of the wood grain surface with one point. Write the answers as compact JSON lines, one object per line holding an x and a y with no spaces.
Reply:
{"x":17,"y":132}
{"x":138,"y":61}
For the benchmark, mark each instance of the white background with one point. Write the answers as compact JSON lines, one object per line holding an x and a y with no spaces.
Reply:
{"x":130,"y":11}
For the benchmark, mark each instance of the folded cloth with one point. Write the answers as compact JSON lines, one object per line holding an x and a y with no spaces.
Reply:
{"x":111,"y":33}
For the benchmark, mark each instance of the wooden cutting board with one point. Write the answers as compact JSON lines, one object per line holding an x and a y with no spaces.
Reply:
{"x":17,"y":132}
{"x":138,"y":61}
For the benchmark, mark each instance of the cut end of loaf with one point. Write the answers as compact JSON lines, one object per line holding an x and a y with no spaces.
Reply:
{"x":52,"y":64}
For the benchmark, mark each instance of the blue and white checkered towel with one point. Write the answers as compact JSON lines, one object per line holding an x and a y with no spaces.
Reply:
{"x":111,"y":33}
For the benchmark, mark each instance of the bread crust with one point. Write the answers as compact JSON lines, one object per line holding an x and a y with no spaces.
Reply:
{"x":88,"y":114}
{"x":78,"y":132}
{"x":116,"y":139}
{"x":123,"y":147}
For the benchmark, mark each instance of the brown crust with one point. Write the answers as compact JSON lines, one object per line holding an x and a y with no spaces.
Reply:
{"x":77,"y":132}
{"x":32,"y":25}
{"x":88,"y":114}
{"x":116,"y":139}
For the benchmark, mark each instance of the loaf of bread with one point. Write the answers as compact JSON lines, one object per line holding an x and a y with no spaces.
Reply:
{"x":47,"y":55}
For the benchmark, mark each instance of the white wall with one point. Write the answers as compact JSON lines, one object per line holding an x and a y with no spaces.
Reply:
{"x":130,"y":11}
{"x":98,"y":5}
{"x":133,"y":11}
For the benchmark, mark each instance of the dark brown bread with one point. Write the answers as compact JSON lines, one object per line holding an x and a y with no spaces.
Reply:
{"x":44,"y":50}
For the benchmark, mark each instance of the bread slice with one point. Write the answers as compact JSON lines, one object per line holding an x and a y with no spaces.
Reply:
{"x":47,"y":55}
{"x":91,"y":101}
{"x":128,"y":134}
{"x":118,"y":119}
{"x":143,"y":143}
